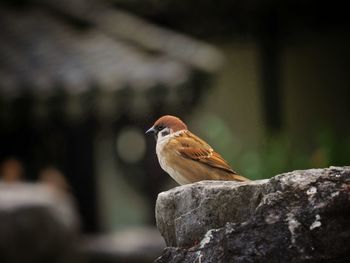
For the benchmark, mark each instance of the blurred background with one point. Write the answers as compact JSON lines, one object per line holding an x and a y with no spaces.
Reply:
{"x":266,"y":83}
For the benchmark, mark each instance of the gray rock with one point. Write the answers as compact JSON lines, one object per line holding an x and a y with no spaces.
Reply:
{"x":37,"y":224}
{"x":301,"y":216}
{"x":185,"y":213}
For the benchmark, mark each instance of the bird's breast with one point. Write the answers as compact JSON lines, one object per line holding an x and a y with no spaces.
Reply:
{"x":168,"y":159}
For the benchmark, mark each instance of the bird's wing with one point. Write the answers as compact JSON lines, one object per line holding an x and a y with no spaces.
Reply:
{"x":196,"y":149}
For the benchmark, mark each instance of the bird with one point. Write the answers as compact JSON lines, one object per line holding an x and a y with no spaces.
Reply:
{"x":186,"y":157}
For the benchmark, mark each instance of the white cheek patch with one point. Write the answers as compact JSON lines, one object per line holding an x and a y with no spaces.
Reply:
{"x":164,"y":134}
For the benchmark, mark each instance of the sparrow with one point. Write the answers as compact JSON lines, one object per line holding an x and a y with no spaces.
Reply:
{"x":186,"y":157}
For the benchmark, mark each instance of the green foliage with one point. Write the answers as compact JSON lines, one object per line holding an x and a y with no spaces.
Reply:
{"x":279,"y":152}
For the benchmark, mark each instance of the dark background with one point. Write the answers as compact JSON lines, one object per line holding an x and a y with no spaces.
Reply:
{"x":266,"y":83}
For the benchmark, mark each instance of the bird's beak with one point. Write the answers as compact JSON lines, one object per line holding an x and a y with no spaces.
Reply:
{"x":151,"y":130}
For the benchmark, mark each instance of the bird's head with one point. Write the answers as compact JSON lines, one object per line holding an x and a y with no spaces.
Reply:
{"x":166,"y":125}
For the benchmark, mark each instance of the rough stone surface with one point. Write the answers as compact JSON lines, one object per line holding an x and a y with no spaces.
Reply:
{"x":184,"y":214}
{"x":37,"y":224}
{"x":301,"y":216}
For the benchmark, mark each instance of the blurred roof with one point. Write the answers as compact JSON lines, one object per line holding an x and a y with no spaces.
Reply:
{"x":73,"y":46}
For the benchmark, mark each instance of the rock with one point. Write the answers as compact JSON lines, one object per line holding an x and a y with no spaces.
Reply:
{"x":301,"y":216}
{"x":184,"y":214}
{"x":134,"y":245}
{"x":37,"y":224}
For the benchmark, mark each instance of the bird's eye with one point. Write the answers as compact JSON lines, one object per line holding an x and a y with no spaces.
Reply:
{"x":160,"y":127}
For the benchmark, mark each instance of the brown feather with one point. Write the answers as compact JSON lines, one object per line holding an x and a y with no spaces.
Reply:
{"x":172,"y":122}
{"x":187,"y":158}
{"x":198,"y":150}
